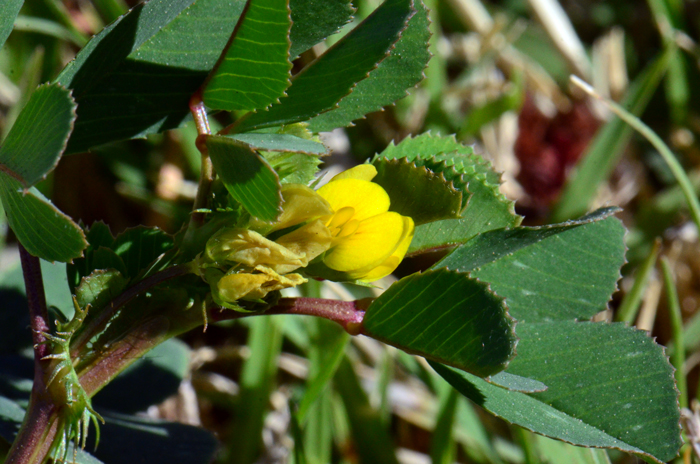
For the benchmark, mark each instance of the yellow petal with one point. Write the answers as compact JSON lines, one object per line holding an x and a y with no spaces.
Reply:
{"x":236,"y":286}
{"x":308,"y":241}
{"x":301,"y":204}
{"x":393,"y":261}
{"x":367,"y":198}
{"x":375,"y":240}
{"x":361,"y":172}
{"x":248,"y":247}
{"x":233,"y":287}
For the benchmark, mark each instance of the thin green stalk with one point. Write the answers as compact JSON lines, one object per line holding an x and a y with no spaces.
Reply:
{"x":674,"y":308}
{"x":525,"y":439}
{"x":665,"y":152}
{"x":206,"y":174}
{"x":630,"y":303}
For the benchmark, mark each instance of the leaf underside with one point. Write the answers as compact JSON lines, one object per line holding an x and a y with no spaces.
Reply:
{"x":281,"y":142}
{"x":560,"y":272}
{"x":444,"y":316}
{"x":417,"y":192}
{"x":609,"y":386}
{"x":319,"y":86}
{"x":37,"y":138}
{"x":39,"y":226}
{"x":144,"y":67}
{"x":10,"y":10}
{"x":247,"y":176}
{"x":255,"y":68}
{"x":485,"y":208}
{"x":30,"y":151}
{"x":389,"y":82}
{"x":313,"y":21}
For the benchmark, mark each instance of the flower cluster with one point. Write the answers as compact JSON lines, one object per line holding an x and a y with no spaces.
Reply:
{"x":345,"y":228}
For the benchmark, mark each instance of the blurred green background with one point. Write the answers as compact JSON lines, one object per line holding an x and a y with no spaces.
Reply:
{"x":499,"y":79}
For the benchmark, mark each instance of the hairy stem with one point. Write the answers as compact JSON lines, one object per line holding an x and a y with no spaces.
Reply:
{"x":349,"y":314}
{"x":35,"y":435}
{"x":96,"y":325}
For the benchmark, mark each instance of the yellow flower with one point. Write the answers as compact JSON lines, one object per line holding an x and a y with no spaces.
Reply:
{"x":227,"y":289}
{"x":368,"y":240}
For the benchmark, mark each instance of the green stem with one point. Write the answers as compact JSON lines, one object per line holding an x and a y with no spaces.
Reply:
{"x":674,"y":309}
{"x":630,"y":303}
{"x":206,"y":175}
{"x":665,"y":152}
{"x":96,"y":325}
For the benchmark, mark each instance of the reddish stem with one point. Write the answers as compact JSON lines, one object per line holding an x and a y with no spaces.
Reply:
{"x":349,"y":314}
{"x":96,"y":325}
{"x":35,"y":436}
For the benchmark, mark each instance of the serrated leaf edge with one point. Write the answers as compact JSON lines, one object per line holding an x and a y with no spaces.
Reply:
{"x":348,"y":21}
{"x":231,"y":39}
{"x":71,"y":126}
{"x":429,"y":173}
{"x":406,"y":90}
{"x":232,"y":128}
{"x":487,"y":287}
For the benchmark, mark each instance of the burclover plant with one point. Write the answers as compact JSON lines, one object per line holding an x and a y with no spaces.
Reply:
{"x":258,"y":226}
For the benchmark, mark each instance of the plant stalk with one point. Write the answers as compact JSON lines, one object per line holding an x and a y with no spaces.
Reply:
{"x":349,"y":314}
{"x":96,"y":325}
{"x":206,"y":176}
{"x":36,"y":434}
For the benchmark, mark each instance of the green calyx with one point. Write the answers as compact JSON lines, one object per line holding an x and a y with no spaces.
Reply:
{"x":74,"y":407}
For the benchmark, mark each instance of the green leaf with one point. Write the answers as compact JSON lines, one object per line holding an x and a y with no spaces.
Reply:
{"x":372,"y":441}
{"x":281,"y":142}
{"x":607,"y":147}
{"x":417,"y":192}
{"x":39,"y":226}
{"x":609,"y":386}
{"x":254,"y":69}
{"x":106,"y":258}
{"x":49,"y":28}
{"x":28,"y":83}
{"x":619,"y":368}
{"x":313,"y":21}
{"x":247,"y":176}
{"x":442,"y":447}
{"x":293,"y":168}
{"x":38,"y":137}
{"x":516,"y":383}
{"x":485,"y":207}
{"x":30,"y":151}
{"x":11,"y":417}
{"x":297,"y":437}
{"x":441,"y":153}
{"x":555,"y":452}
{"x":144,"y":67}
{"x":149,"y":380}
{"x":131,"y":439}
{"x":98,"y":236}
{"x":560,"y":272}
{"x":10,"y":10}
{"x":326,"y":352}
{"x":257,"y":381}
{"x":140,"y":246}
{"x":390,"y":81}
{"x":319,"y":86}
{"x":99,"y":288}
{"x":13,"y":296}
{"x":445,"y":316}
